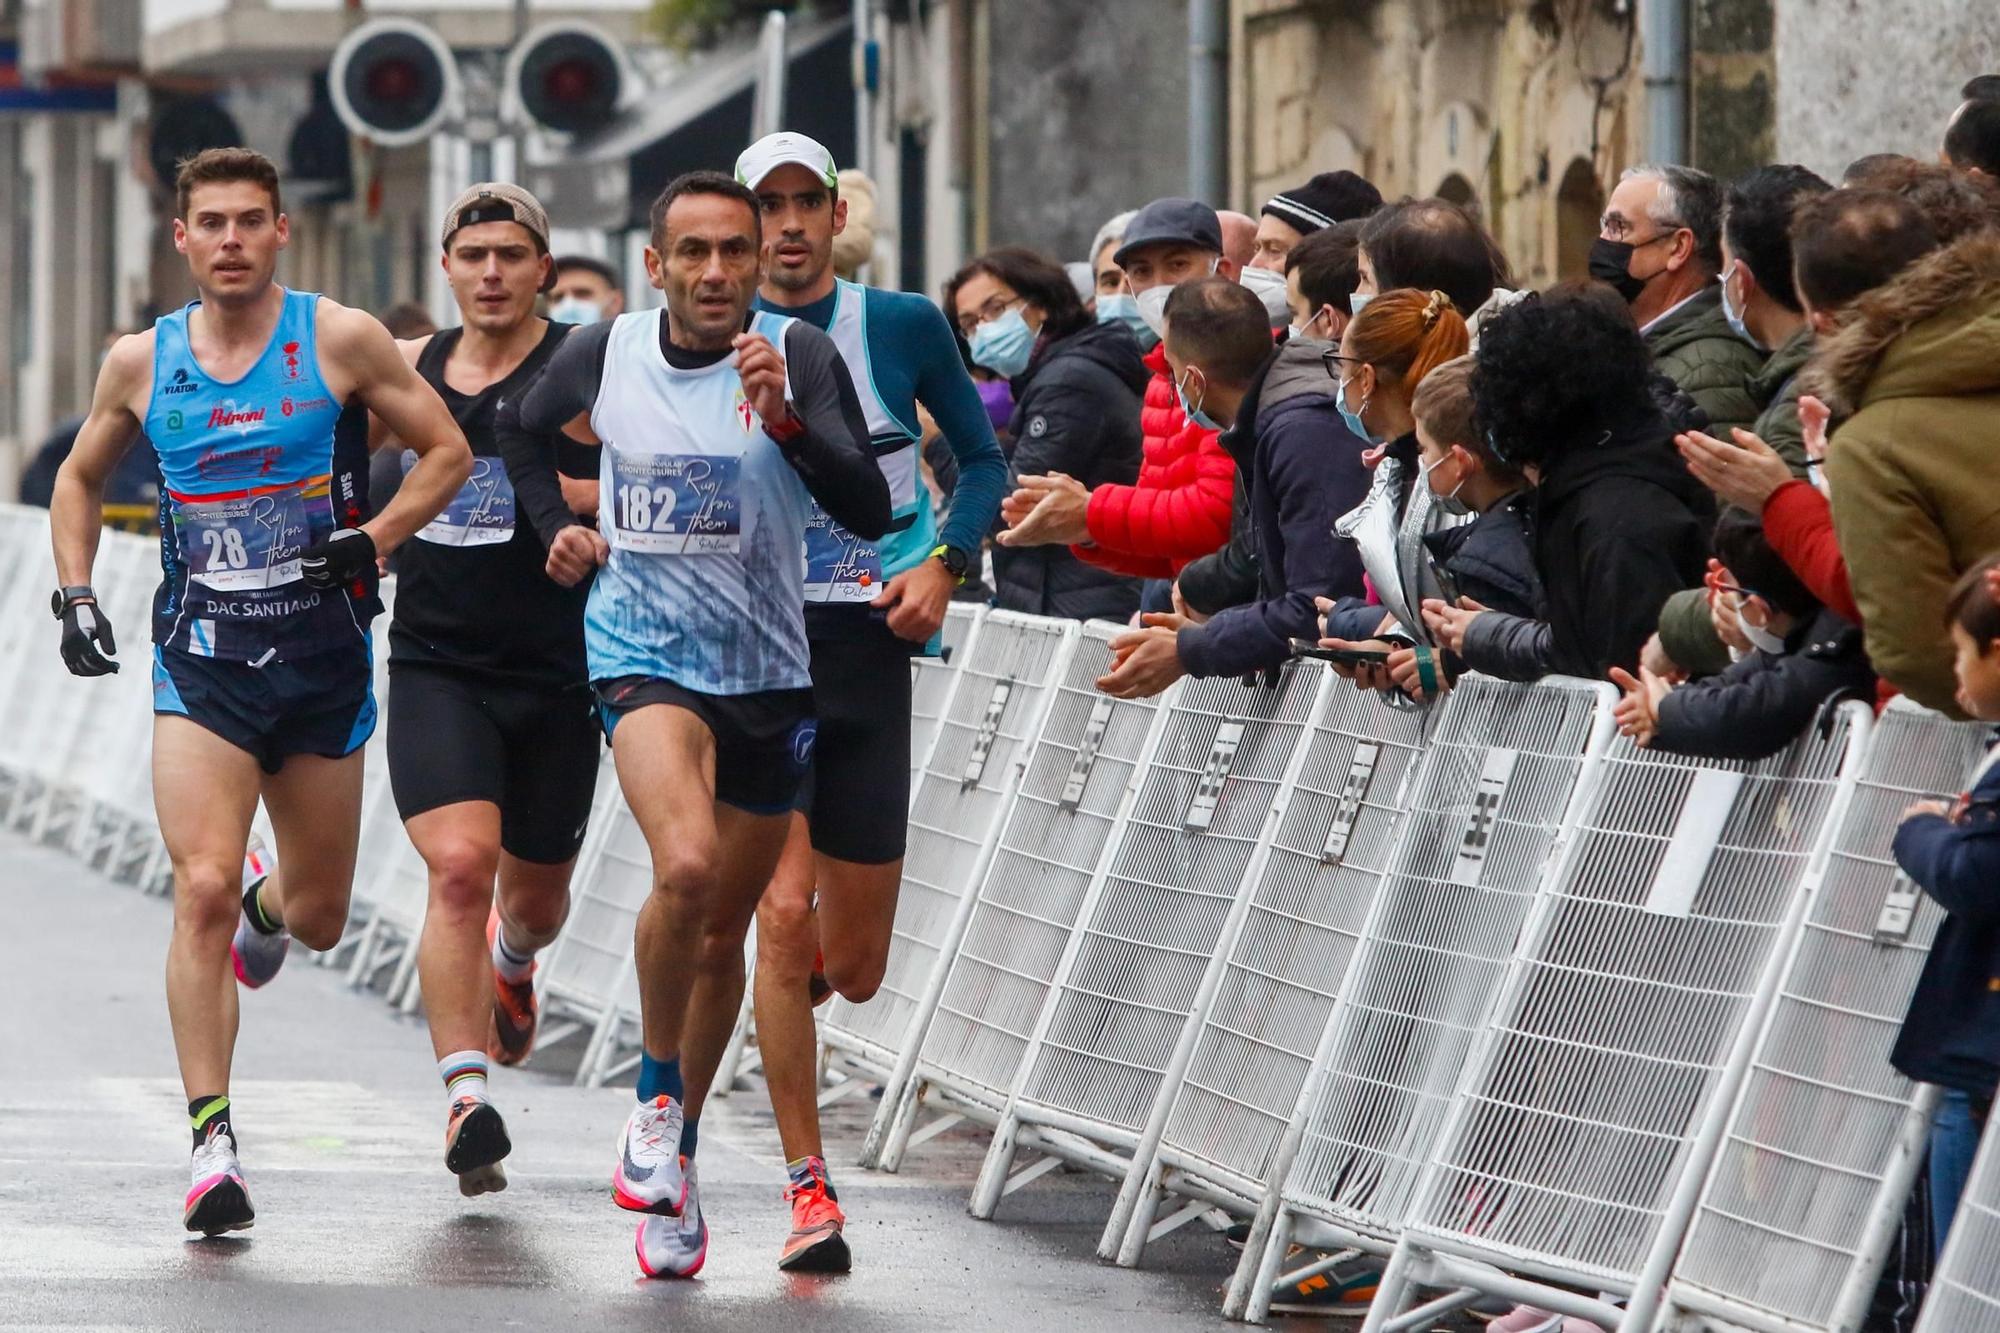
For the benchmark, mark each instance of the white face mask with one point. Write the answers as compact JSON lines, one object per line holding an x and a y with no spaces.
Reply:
{"x":1760,"y":636}
{"x":576,"y":310}
{"x":1270,"y":289}
{"x":1153,"y":301}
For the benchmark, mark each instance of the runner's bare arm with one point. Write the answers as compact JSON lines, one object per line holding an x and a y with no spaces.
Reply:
{"x":76,"y":508}
{"x":379,"y":434}
{"x":359,"y":350}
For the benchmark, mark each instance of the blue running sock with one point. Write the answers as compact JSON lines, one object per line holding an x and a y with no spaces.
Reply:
{"x":690,"y":1135}
{"x":659,"y":1077}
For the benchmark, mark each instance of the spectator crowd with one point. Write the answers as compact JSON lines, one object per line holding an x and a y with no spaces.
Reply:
{"x":1738,"y":472}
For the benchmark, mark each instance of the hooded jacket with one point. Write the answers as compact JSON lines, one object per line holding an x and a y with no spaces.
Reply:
{"x":1914,"y":470}
{"x":1619,"y":526}
{"x":1761,"y":703}
{"x":1951,"y":1035}
{"x":1076,"y":411}
{"x":1302,"y":470}
{"x":1179,"y":507}
{"x":1696,"y":349}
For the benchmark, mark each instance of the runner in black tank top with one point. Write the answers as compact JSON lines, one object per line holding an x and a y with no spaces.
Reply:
{"x":492,"y":737}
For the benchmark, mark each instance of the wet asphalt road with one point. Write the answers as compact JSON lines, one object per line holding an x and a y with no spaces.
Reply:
{"x":359,"y":1226}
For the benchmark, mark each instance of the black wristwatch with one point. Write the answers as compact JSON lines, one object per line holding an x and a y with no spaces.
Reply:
{"x":956,"y":562}
{"x":63,"y":598}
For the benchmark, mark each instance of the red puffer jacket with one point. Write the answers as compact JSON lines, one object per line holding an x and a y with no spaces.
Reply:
{"x":1179,"y":509}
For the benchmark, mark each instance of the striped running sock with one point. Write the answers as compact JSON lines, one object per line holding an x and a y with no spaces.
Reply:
{"x":205,"y":1113}
{"x":805,"y":1170}
{"x":508,"y":964}
{"x":464,"y":1074}
{"x":261,"y":921}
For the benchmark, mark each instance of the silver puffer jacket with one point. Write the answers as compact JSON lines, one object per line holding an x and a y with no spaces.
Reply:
{"x":1390,"y":534}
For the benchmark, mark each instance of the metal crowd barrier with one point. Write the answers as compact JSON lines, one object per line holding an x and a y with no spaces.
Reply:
{"x":1497,"y":789}
{"x":1484,"y":990}
{"x":1145,"y":959}
{"x":1806,"y":1194}
{"x":1965,"y":1290}
{"x":991,"y":716}
{"x":1600,"y":1080}
{"x":1080,"y":777}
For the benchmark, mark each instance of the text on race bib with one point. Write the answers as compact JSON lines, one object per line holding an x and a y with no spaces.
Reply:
{"x":244,"y":543}
{"x":676,"y":504}
{"x":840,"y":567}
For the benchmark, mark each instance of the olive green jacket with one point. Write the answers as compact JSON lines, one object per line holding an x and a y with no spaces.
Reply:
{"x":1776,"y":386}
{"x":1914,"y":469}
{"x":1696,"y":349}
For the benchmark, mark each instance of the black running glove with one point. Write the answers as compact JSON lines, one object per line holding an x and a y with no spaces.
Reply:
{"x":87,"y":645}
{"x":347,"y":555}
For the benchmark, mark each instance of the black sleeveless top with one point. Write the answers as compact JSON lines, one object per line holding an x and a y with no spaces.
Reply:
{"x":472,"y":589}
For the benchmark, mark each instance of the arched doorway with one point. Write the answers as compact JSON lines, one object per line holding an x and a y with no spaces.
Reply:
{"x":1459,"y":191}
{"x":1579,"y":204}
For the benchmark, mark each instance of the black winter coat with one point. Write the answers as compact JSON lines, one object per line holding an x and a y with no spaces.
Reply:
{"x":1076,"y":411}
{"x":1951,"y":1035}
{"x":1619,"y":526}
{"x":1760,"y":704}
{"x":1304,"y":470}
{"x":1491,"y":559}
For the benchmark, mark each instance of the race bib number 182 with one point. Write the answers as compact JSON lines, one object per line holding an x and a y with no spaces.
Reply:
{"x":676,"y":504}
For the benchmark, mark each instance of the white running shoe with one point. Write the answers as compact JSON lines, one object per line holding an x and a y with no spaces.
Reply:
{"x":674,"y":1246}
{"x":257,"y":956}
{"x":649,"y":1178}
{"x":218,"y":1201}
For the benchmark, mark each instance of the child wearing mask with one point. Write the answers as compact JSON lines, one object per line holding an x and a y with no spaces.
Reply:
{"x":1488,"y":560}
{"x":1951,"y":1035}
{"x":1801,"y":656}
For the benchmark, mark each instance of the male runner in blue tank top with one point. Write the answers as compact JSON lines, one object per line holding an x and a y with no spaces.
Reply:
{"x":718,"y":428}
{"x":869,"y":607}
{"x":256,"y":398}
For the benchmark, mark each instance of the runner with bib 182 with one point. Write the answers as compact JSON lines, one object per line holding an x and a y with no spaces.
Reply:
{"x":718,"y":428}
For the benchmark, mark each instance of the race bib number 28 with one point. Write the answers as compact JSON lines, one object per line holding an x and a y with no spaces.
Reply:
{"x":676,"y":504}
{"x":252,"y":542}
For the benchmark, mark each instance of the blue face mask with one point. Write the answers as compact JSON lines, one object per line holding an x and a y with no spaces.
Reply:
{"x":1194,"y":413}
{"x":1357,"y":300}
{"x":1735,"y":316}
{"x":576,"y":310}
{"x":1003,"y":345}
{"x":1352,"y":418}
{"x":1123,"y":308}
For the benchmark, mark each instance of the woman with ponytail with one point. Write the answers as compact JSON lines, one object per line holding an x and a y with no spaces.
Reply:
{"x":1398,"y":338}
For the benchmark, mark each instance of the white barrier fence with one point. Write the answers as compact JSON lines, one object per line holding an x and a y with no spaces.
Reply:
{"x":1480,"y":989}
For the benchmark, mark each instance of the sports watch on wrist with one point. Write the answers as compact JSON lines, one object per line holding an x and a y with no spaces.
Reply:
{"x":63,"y":598}
{"x":956,"y":562}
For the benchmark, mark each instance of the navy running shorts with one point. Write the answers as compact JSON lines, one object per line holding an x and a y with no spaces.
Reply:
{"x":763,"y":741}
{"x":530,"y":750}
{"x":857,"y":801}
{"x":323,"y":704}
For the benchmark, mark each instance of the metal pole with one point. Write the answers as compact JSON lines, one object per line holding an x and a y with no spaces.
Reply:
{"x":865,"y":68}
{"x":767,"y":108}
{"x":1664,"y":37}
{"x":1208,"y":100}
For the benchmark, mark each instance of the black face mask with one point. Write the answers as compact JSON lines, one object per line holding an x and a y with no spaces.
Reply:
{"x":1611,"y":264}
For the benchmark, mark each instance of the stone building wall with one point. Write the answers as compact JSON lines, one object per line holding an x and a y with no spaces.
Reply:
{"x":1525,"y":109}
{"x":1875,"y":76}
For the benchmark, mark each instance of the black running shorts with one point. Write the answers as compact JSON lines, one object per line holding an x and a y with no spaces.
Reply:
{"x":858,"y":801}
{"x":322,"y":705}
{"x":763,"y":741}
{"x":532,"y":751}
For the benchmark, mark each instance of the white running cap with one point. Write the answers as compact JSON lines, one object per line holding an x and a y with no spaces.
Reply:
{"x":772,"y":151}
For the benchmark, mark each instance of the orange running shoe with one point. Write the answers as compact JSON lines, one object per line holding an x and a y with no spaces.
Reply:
{"x":514,"y":1012}
{"x":815,"y":1245}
